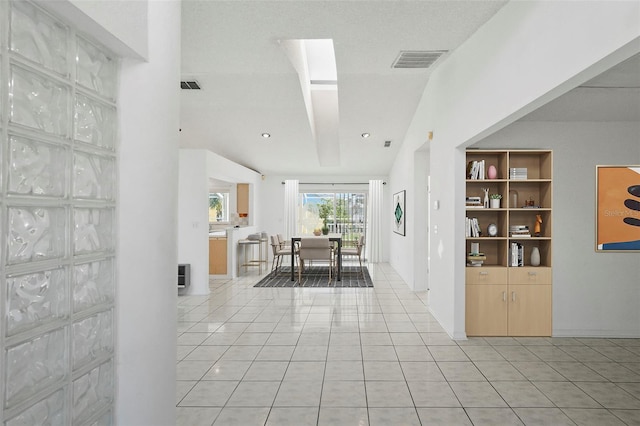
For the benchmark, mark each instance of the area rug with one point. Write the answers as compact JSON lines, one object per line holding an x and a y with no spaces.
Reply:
{"x":317,"y":276}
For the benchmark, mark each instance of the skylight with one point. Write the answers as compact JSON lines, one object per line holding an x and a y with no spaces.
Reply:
{"x":315,"y":62}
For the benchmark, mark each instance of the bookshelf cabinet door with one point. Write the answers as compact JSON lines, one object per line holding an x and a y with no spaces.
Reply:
{"x":529,"y":310}
{"x":486,"y":313}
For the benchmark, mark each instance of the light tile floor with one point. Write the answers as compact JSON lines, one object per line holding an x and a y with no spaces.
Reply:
{"x":375,"y":356}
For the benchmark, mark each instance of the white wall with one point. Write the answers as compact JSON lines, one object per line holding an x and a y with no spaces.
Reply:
{"x":149,"y":119}
{"x":271,"y":198}
{"x":508,"y":68}
{"x":193,"y":218}
{"x":197,"y":166}
{"x":594,"y":294}
{"x":121,"y":25}
{"x":419,"y":221}
{"x":149,"y":105}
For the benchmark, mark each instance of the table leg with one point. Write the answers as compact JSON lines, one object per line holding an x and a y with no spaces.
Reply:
{"x":292,"y":260}
{"x":340,"y":259}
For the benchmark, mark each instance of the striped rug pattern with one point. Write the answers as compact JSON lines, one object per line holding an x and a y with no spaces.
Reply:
{"x":317,"y":276}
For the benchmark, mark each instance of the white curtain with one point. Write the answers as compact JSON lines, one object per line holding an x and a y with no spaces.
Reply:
{"x":290,"y":208}
{"x":374,"y":245}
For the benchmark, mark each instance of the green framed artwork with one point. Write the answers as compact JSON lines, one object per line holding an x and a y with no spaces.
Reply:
{"x":617,"y":208}
{"x":399,"y":210}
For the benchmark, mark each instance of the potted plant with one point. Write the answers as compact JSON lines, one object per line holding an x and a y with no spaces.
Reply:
{"x":325,"y":209}
{"x":495,"y":200}
{"x":325,"y":228}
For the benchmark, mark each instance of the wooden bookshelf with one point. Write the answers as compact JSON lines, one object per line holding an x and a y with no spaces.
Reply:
{"x":503,"y":299}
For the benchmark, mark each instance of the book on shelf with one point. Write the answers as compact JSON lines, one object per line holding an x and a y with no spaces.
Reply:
{"x":472,"y":228}
{"x":518,"y":173}
{"x":476,"y":257}
{"x":519,"y":231}
{"x":517,"y":254}
{"x":475,"y":170}
{"x":473,"y":203}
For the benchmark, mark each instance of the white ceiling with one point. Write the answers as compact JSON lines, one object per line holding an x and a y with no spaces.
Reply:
{"x":249,"y":86}
{"x":612,"y":96}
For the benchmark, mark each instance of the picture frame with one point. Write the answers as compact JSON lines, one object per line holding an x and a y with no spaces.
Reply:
{"x":399,"y":213}
{"x":617,"y":209}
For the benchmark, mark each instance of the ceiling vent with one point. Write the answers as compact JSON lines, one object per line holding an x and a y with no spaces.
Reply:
{"x":417,"y":58}
{"x":387,"y":144}
{"x":189,"y":85}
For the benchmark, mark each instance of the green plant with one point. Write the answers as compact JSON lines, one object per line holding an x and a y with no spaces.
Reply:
{"x":215,"y":204}
{"x":495,"y":196}
{"x":324,"y":211}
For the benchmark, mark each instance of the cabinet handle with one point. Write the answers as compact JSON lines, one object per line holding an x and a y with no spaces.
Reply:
{"x":533,"y":273}
{"x":513,"y":296}
{"x":504,"y":296}
{"x":483,"y":273}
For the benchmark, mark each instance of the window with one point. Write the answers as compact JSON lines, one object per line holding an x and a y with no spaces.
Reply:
{"x":342,"y":213}
{"x":218,"y":207}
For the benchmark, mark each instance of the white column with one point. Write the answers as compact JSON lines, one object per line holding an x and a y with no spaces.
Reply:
{"x":148,"y":182}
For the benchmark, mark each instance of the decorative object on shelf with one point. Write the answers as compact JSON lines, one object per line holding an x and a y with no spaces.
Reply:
{"x":492,"y":230}
{"x":486,"y":198}
{"x":537,"y":227}
{"x":535,"y":256}
{"x":530,"y":203}
{"x":618,"y":208}
{"x":513,"y":198}
{"x":492,"y":172}
{"x":399,"y":213}
{"x":495,"y":200}
{"x":317,"y":232}
{"x":475,"y":248}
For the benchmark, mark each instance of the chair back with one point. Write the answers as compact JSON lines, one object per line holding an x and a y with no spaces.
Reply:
{"x":275,"y":244}
{"x":281,"y":240}
{"x":360,"y":244}
{"x":318,"y":248}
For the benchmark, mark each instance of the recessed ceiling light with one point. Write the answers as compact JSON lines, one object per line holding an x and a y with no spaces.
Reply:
{"x":266,"y":135}
{"x":365,"y":135}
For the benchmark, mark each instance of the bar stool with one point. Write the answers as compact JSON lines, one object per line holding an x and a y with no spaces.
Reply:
{"x":247,"y":249}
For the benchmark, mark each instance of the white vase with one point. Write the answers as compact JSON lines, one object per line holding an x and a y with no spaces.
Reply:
{"x":535,"y":257}
{"x":495,"y":203}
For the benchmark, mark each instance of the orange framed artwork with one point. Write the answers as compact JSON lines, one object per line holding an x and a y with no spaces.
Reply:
{"x":617,"y":208}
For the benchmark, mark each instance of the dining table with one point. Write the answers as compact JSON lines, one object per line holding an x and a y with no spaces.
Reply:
{"x":337,"y":238}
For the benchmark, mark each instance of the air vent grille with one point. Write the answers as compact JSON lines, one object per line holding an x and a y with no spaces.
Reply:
{"x":387,"y":144}
{"x":417,"y":58}
{"x":189,"y":85}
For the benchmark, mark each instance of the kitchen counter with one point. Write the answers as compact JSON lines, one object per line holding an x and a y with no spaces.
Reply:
{"x":229,"y":236}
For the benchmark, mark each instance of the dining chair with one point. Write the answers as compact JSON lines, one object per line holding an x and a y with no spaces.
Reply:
{"x":283,"y":243}
{"x":315,"y":248}
{"x":278,"y":253}
{"x":355,"y":252}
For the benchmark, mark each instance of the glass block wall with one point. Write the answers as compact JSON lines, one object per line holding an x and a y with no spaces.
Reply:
{"x":57,"y":219}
